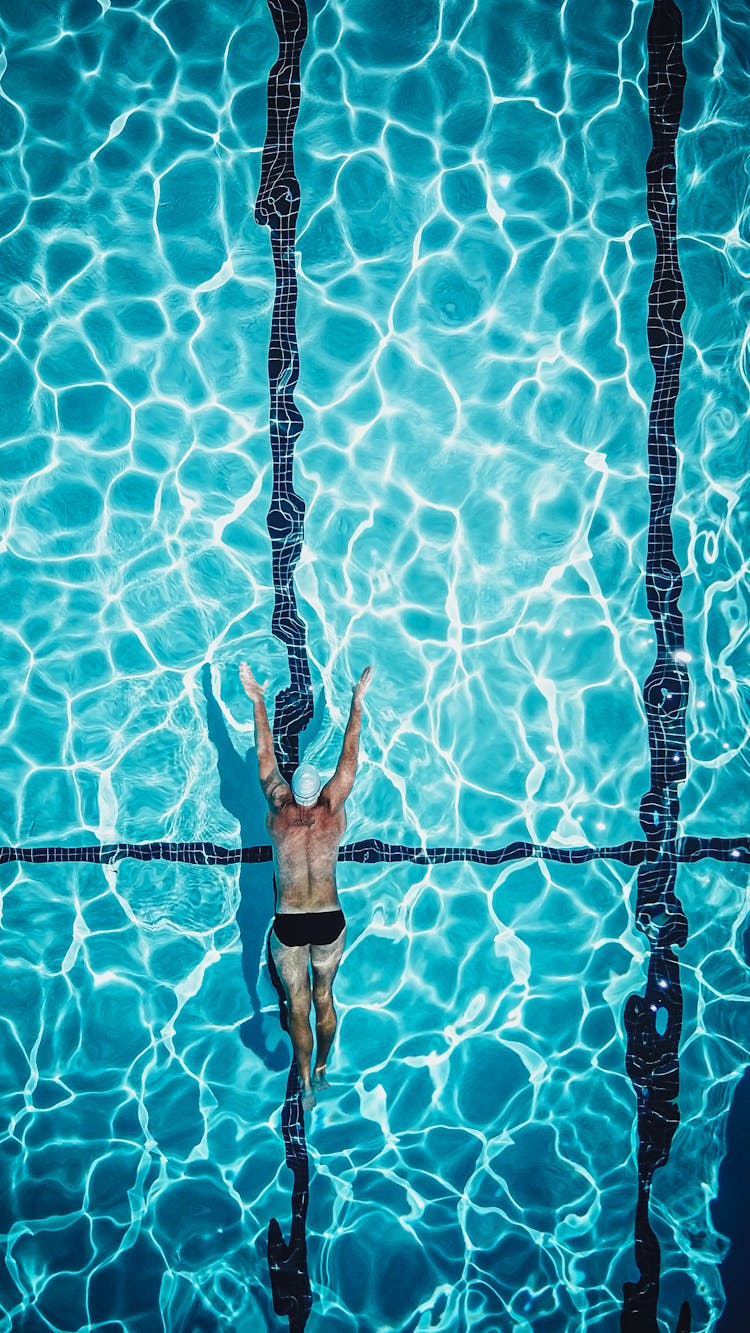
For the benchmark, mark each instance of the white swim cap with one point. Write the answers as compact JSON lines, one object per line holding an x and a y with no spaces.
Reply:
{"x":306,"y":784}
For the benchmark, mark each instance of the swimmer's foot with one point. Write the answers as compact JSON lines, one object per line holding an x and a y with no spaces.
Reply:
{"x":308,"y":1098}
{"x":319,"y":1080}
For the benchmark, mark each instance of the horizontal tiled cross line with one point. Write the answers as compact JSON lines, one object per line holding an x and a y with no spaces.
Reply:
{"x":370,"y":851}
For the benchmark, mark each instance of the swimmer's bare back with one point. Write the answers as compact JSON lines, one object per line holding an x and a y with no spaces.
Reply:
{"x":305,"y":850}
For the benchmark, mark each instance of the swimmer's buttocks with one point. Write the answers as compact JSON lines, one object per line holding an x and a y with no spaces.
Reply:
{"x":293,"y":929}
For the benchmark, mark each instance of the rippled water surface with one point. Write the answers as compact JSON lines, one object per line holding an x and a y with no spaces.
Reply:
{"x":474,"y":259}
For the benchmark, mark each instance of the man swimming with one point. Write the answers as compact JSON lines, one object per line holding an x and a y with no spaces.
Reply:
{"x":306,"y":824}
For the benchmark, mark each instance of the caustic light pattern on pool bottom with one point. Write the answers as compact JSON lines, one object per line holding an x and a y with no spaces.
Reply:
{"x":111,"y":730}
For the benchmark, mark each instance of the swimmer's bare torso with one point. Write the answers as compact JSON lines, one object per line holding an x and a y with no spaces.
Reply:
{"x":305,"y":841}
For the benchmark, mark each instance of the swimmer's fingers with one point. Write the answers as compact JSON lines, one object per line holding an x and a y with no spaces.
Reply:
{"x":363,"y":682}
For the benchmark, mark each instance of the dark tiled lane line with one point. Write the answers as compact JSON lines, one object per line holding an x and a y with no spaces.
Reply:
{"x":652,"y":1060}
{"x":372,"y":850}
{"x":277,"y":207}
{"x":653,"y":1020}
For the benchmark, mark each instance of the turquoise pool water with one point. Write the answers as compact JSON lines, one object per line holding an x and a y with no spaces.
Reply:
{"x":474,"y":260}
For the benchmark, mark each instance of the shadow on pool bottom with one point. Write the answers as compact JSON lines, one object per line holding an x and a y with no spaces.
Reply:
{"x":730,"y":1211}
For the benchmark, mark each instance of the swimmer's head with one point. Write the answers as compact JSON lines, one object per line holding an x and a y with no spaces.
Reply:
{"x":306,"y":784}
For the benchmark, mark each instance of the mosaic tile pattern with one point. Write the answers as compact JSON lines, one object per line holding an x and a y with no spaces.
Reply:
{"x":372,"y":850}
{"x":651,"y":1059}
{"x":277,"y":208}
{"x":653,"y":1021}
{"x":287,"y":1262}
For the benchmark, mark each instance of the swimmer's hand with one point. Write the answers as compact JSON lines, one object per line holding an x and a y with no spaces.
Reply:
{"x":362,"y":683}
{"x":252,"y":689}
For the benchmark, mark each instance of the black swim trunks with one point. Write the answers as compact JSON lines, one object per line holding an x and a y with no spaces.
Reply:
{"x":295,"y":928}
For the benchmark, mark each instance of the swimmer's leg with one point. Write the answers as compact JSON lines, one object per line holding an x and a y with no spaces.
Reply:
{"x":325,"y":960}
{"x":277,"y":984}
{"x":292,"y":964}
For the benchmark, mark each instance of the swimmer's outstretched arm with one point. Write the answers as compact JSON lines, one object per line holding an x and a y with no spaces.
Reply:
{"x":340,"y":786}
{"x":350,"y":747}
{"x":268,"y":770}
